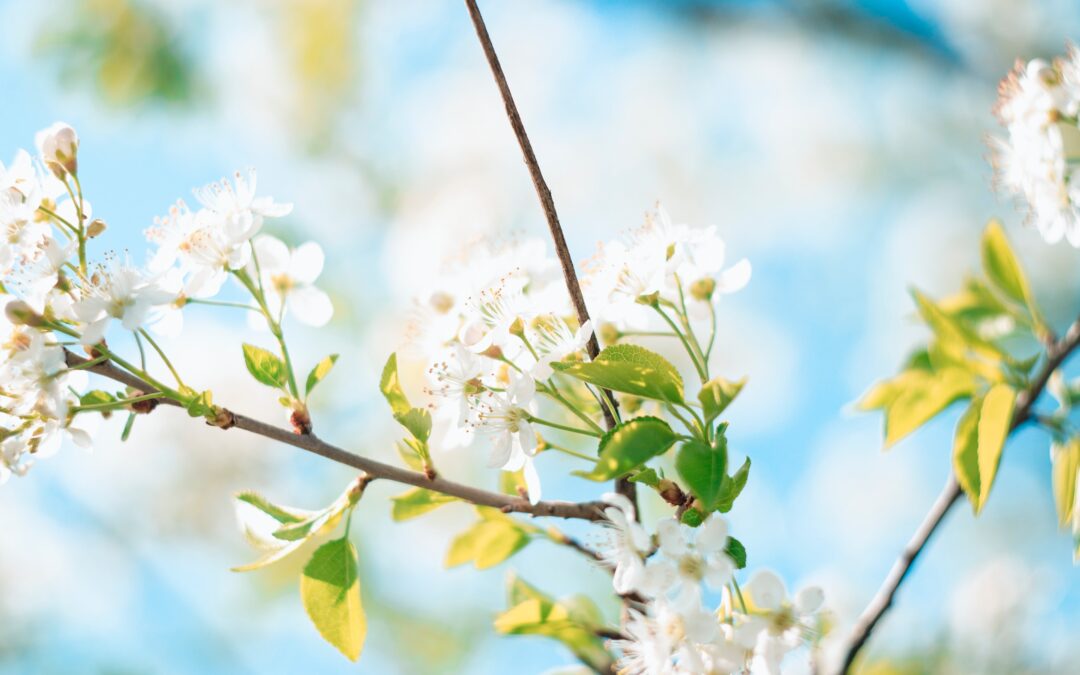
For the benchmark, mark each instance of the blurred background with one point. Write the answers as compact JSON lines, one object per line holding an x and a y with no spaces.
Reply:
{"x":837,"y":144}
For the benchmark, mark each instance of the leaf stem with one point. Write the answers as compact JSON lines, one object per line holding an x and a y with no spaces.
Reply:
{"x":689,"y":350}
{"x":563,"y":427}
{"x":165,"y":359}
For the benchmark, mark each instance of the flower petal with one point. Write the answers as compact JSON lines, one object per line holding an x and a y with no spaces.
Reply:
{"x":734,"y":278}
{"x":307,"y":263}
{"x":310,"y":306}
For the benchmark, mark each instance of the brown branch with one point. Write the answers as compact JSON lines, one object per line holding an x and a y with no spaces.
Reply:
{"x":375,"y":469}
{"x":1056,"y":354}
{"x":622,"y":485}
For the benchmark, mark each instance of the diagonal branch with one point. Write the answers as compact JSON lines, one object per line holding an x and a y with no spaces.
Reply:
{"x":548,"y":204}
{"x":375,"y":469}
{"x":1056,"y":353}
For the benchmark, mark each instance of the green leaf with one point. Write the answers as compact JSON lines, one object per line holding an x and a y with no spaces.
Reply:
{"x":630,"y":369}
{"x":630,"y":445}
{"x":330,"y":590}
{"x":1065,"y":469}
{"x":96,"y":397}
{"x":736,"y":551}
{"x":201,"y":405}
{"x":413,"y":453}
{"x":1001,"y":264}
{"x":278,"y":531}
{"x":321,"y":370}
{"x":417,"y":502}
{"x":488,"y":542}
{"x":717,"y":394}
{"x":733,"y":486}
{"x":417,"y":421}
{"x":390,"y":386}
{"x":692,"y":517}
{"x":980,"y":438}
{"x":282,"y":514}
{"x":265,"y":366}
{"x":128,"y":426}
{"x":646,"y":477}
{"x":703,"y":468}
{"x":322,"y":522}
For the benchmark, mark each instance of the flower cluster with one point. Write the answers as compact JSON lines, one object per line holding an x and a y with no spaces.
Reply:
{"x":672,"y":631}
{"x":492,"y":332}
{"x":1038,"y":161}
{"x":55,"y":290}
{"x":490,"y":335}
{"x":661,"y":261}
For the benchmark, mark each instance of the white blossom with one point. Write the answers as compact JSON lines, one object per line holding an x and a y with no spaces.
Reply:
{"x":782,"y":623}
{"x":503,"y":418}
{"x":554,"y":341}
{"x":625,"y":545}
{"x":121,"y":292}
{"x":289,"y":279}
{"x":1038,"y":105}
{"x":690,"y":557}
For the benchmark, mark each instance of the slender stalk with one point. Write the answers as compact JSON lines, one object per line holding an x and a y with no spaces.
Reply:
{"x":567,"y":451}
{"x":275,"y":326}
{"x":712,"y":330}
{"x":592,"y":511}
{"x":563,"y":427}
{"x":60,"y":219}
{"x":115,"y":405}
{"x":689,"y":350}
{"x":684,"y":319}
{"x":1056,"y":354}
{"x":547,"y":203}
{"x":165,"y":359}
{"x":222,"y":303}
{"x":553,"y":391}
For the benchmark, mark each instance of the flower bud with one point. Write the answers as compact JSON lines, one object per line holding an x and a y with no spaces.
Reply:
{"x":517,"y":328}
{"x":20,"y":313}
{"x":650,"y":299}
{"x":300,"y":419}
{"x":95,"y":228}
{"x":703,"y":288}
{"x":59,"y":147}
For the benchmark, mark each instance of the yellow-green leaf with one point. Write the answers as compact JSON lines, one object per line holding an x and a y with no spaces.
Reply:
{"x":417,"y":502}
{"x":265,"y":366}
{"x":1064,"y":473}
{"x":330,"y":589}
{"x":717,"y":394}
{"x":1001,"y":265}
{"x":920,"y":395}
{"x":488,"y":542}
{"x":980,"y":438}
{"x":572,"y":621}
{"x":321,"y":370}
{"x":390,"y":386}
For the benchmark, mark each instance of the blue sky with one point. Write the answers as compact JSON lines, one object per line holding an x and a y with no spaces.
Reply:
{"x":845,"y":170}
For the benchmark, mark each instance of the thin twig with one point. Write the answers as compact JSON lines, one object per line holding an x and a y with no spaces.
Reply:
{"x":1056,"y":354}
{"x":622,"y":486}
{"x":309,"y":442}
